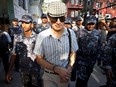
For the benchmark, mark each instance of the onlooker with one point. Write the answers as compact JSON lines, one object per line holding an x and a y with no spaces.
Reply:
{"x":74,"y":26}
{"x":5,"y":41}
{"x":112,"y":26}
{"x":53,"y":50}
{"x":89,"y":51}
{"x":23,"y":47}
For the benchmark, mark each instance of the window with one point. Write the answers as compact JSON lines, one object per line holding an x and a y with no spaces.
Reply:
{"x":22,"y":3}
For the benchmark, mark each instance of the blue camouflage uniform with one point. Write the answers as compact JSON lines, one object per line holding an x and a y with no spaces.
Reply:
{"x":29,"y":69}
{"x":14,"y":30}
{"x":5,"y":41}
{"x":90,"y":49}
{"x":41,"y":27}
{"x":110,"y":57}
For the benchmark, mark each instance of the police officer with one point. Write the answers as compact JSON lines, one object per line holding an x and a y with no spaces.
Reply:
{"x":5,"y":41}
{"x":44,"y":25}
{"x":79,"y":22}
{"x":67,"y":23}
{"x":23,"y":47}
{"x":110,"y":61}
{"x":89,"y":49}
{"x":34,"y":27}
{"x":14,"y":29}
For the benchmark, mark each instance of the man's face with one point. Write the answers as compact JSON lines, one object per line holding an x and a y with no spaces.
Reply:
{"x":57,"y":23}
{"x":90,"y":26}
{"x":26,"y":26}
{"x":114,"y":22}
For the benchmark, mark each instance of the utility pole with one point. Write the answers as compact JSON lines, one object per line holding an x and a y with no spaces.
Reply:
{"x":91,"y":6}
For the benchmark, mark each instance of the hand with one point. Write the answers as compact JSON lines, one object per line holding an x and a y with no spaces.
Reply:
{"x":110,"y":74}
{"x":69,"y":68}
{"x":65,"y":74}
{"x":8,"y":77}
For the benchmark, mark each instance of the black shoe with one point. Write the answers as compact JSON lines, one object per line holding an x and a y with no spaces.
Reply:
{"x":104,"y":86}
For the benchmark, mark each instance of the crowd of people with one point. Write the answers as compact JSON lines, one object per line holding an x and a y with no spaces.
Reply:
{"x":59,"y":49}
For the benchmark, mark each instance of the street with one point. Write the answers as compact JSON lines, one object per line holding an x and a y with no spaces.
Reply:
{"x":97,"y":78}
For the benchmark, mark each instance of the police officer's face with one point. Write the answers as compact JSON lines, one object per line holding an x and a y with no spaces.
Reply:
{"x":67,"y":25}
{"x":15,"y":23}
{"x":26,"y":26}
{"x":44,"y":20}
{"x":79,"y":22}
{"x":90,"y":26}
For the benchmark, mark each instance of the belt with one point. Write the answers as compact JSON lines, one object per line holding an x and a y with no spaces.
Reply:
{"x":50,"y":72}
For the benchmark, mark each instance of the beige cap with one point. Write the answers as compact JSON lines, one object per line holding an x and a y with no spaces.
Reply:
{"x":57,"y":9}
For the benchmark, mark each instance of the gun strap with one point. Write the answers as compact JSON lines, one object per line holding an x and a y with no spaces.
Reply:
{"x":69,"y":36}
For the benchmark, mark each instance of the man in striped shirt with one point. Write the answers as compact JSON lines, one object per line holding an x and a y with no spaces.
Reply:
{"x":53,"y":48}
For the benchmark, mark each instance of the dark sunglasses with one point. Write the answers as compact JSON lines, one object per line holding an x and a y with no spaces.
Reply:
{"x":55,"y":19}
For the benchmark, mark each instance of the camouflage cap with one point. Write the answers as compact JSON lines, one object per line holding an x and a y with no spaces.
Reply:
{"x":26,"y":18}
{"x":90,"y":19}
{"x":15,"y":19}
{"x":67,"y":22}
{"x":57,"y":9}
{"x":79,"y":18}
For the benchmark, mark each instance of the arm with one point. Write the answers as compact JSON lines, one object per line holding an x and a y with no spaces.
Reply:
{"x":11,"y":65}
{"x":72,"y":58}
{"x":62,"y":72}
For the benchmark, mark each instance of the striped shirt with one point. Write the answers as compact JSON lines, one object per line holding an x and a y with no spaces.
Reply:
{"x":54,"y":50}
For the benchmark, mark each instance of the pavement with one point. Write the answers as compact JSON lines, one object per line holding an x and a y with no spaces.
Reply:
{"x":97,"y":78}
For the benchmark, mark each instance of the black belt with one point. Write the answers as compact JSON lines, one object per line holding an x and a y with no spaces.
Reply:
{"x":51,"y":72}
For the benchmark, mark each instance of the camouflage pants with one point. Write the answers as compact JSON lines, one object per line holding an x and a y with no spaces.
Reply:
{"x":31,"y":79}
{"x":83,"y":74}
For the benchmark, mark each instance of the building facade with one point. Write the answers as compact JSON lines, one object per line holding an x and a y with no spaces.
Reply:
{"x":10,"y":9}
{"x":106,"y":8}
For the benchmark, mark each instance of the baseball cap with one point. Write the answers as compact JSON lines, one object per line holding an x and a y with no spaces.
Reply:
{"x":90,"y":19}
{"x":15,"y":19}
{"x":26,"y":18}
{"x":34,"y":22}
{"x":67,"y":22}
{"x":79,"y":18}
{"x":57,"y":9}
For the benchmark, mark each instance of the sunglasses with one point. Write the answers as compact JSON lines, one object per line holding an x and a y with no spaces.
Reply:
{"x":55,"y":19}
